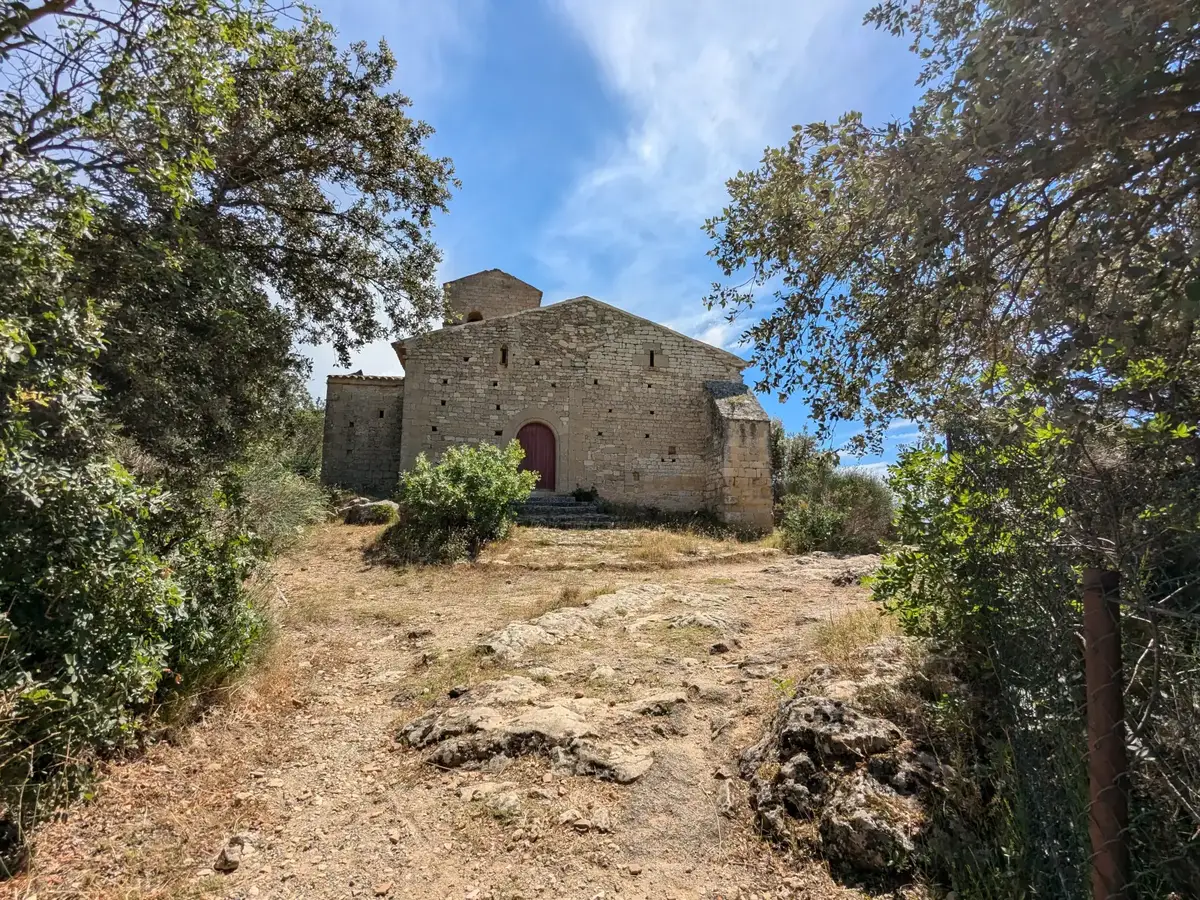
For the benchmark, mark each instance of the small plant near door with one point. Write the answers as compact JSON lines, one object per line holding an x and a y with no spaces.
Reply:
{"x":453,"y":509}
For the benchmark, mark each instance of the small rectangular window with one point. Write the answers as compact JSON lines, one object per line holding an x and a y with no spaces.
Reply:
{"x":651,"y":412}
{"x":553,"y":384}
{"x":671,"y":450}
{"x":466,"y":359}
{"x":351,"y":423}
{"x":647,"y":435}
{"x":595,"y":381}
{"x":652,"y":359}
{"x":381,"y":414}
{"x":504,"y":356}
{"x":445,"y":381}
{"x":537,"y":362}
{"x":443,"y":403}
{"x":497,"y":406}
{"x":599,"y":434}
{"x":499,"y":433}
{"x":495,"y":384}
{"x":435,"y":428}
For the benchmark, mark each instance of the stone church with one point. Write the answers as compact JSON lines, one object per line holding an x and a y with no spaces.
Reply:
{"x":598,"y":398}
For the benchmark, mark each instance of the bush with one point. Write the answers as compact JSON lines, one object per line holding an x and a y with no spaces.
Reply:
{"x":116,"y":598}
{"x":843,"y":512}
{"x":279,"y":503}
{"x":452,"y":509}
{"x":992,"y":541}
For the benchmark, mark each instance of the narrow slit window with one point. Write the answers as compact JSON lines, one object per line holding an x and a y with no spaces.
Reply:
{"x":652,"y":359}
{"x":381,"y":414}
{"x":504,"y":356}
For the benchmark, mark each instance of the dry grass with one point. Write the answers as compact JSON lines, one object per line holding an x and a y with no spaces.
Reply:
{"x":773,"y":540}
{"x":166,"y":813}
{"x":664,"y":548}
{"x":568,"y":595}
{"x":841,"y":639}
{"x":686,"y":640}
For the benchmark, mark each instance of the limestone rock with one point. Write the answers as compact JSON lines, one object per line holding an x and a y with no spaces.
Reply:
{"x":510,"y":643}
{"x":517,"y":720}
{"x":380,"y":512}
{"x":656,"y":705}
{"x":230,"y":856}
{"x":610,"y":763}
{"x":504,"y":806}
{"x":808,"y":765}
{"x":868,"y":826}
{"x":601,"y":821}
{"x":830,"y":728}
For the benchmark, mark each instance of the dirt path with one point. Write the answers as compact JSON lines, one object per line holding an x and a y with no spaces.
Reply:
{"x":307,"y":762}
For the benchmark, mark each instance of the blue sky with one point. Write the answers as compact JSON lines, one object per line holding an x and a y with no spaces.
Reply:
{"x":593,"y":137}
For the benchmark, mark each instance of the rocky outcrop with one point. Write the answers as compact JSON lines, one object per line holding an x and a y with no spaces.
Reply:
{"x":628,"y":609}
{"x":379,"y":512}
{"x":853,"y":774}
{"x":513,"y":716}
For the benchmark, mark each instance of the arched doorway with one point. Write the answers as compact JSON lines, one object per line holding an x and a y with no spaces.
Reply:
{"x":537,"y":440}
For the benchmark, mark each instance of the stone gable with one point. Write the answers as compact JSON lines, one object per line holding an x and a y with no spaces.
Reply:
{"x":486,"y":295}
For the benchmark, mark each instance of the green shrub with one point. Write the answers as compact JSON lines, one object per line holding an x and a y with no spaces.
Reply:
{"x":452,"y":509}
{"x":843,"y":512}
{"x":116,"y":599}
{"x":279,"y":503}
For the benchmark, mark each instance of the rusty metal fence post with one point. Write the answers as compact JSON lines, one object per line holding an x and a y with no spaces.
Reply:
{"x":1108,"y":773}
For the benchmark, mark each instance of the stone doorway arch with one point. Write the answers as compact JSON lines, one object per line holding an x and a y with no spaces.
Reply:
{"x":541,"y":453}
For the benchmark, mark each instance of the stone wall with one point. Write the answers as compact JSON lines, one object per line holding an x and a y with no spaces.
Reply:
{"x":488,"y":294}
{"x":625,"y":398}
{"x":363,"y":416}
{"x":739,"y":488}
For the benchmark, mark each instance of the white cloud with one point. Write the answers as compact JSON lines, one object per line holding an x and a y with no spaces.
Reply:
{"x":875,"y":470}
{"x":707,"y":85}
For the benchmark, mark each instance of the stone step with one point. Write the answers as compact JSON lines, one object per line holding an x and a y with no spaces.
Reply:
{"x":566,"y":520}
{"x":556,"y":500}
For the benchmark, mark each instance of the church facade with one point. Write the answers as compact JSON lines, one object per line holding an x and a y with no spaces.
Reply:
{"x":597,"y":397}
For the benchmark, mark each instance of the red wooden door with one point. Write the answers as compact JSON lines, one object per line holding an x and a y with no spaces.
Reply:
{"x":537,"y":440}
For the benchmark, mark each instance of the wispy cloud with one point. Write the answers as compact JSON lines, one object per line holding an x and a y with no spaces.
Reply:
{"x":707,"y":85}
{"x":430,"y":40}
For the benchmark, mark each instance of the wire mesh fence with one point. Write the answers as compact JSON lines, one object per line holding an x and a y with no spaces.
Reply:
{"x":1092,"y":629}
